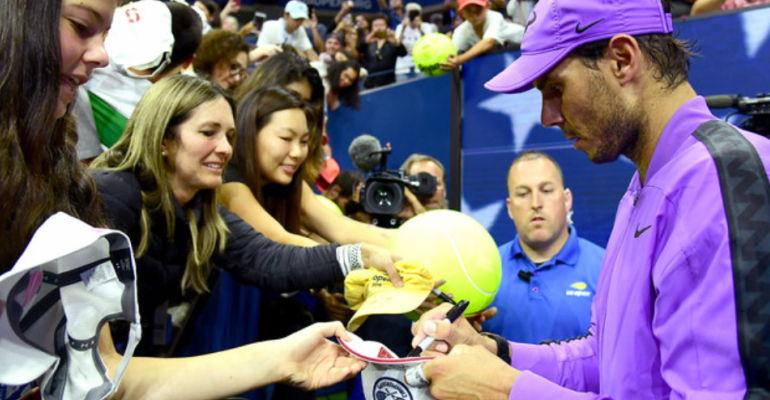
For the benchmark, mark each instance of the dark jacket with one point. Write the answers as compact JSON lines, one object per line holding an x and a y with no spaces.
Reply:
{"x":380,"y":62}
{"x":249,"y":256}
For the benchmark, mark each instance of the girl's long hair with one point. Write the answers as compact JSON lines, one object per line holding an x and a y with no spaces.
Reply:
{"x":348,"y":96}
{"x":39,"y":169}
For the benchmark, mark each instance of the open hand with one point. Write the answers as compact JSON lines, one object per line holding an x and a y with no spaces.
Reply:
{"x":312,"y":361}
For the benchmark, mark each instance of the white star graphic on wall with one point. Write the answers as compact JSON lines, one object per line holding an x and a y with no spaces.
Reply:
{"x":523,"y":111}
{"x":755,"y":30}
{"x":485,"y":215}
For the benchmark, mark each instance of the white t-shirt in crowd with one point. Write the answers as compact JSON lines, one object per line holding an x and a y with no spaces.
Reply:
{"x":519,"y":10}
{"x":274,"y":32}
{"x":496,"y":27}
{"x":411,"y":36}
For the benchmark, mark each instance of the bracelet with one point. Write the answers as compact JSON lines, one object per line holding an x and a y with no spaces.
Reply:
{"x":503,"y":347}
{"x":349,"y":257}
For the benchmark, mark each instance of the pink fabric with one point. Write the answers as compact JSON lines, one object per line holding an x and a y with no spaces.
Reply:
{"x":730,"y":4}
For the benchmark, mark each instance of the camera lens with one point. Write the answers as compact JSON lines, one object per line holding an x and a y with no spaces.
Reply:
{"x":383,"y":196}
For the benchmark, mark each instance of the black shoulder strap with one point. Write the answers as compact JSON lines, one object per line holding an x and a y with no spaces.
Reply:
{"x":746,"y":194}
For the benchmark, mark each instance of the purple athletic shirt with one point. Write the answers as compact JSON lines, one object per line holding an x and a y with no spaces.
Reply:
{"x":664,"y":323}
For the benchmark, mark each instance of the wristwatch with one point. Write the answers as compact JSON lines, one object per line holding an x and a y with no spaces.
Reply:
{"x":503,"y":347}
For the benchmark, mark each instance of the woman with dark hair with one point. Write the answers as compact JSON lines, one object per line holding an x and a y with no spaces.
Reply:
{"x":343,"y":84}
{"x":40,"y":70}
{"x":222,"y":57}
{"x":291,"y":71}
{"x":263,"y":183}
{"x":264,"y":186}
{"x":283,"y":115}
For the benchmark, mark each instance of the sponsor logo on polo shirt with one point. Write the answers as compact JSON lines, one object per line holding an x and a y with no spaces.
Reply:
{"x":578,"y":289}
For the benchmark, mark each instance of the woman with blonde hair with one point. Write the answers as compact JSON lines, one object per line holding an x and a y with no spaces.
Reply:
{"x":159,"y":184}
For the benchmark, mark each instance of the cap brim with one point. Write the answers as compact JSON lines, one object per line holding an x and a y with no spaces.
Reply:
{"x":298,"y":15}
{"x":396,"y":301}
{"x":520,"y":75}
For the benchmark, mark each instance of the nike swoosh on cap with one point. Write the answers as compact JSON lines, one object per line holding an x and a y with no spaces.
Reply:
{"x":532,"y":21}
{"x":578,"y":29}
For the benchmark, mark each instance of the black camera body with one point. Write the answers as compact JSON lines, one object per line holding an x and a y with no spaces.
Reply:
{"x":383,"y":193}
{"x":756,"y":109}
{"x":413,"y":14}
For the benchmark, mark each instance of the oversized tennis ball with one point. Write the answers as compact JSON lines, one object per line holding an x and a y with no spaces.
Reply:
{"x":430,"y":50}
{"x":457,"y":248}
{"x":332,"y":206}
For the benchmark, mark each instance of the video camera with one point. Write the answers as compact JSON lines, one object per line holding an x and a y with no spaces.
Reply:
{"x":757,"y":110}
{"x":382,"y":195}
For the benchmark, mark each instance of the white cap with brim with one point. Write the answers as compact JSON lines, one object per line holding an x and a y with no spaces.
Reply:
{"x":141,"y":38}
{"x":296,"y":9}
{"x":70,"y":281}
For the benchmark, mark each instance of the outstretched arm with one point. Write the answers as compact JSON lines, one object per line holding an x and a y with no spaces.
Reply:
{"x":239,"y":199}
{"x":305,"y":359}
{"x":334,"y":227}
{"x":454,"y":61}
{"x":257,"y":261}
{"x":704,"y":6}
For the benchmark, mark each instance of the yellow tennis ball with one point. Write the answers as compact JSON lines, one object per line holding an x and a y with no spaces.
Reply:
{"x":457,"y":248}
{"x":430,"y":50}
{"x":332,"y":206}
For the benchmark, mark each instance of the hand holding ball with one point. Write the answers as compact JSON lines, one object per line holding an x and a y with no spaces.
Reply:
{"x":431,"y":50}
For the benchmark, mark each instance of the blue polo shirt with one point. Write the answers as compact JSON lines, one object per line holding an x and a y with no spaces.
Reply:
{"x":556,"y":302}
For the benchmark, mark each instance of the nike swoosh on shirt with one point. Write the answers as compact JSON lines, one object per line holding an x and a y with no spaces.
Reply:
{"x":639,"y":232}
{"x":578,"y":29}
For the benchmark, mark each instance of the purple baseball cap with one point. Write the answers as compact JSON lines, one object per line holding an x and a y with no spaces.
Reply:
{"x":556,"y":27}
